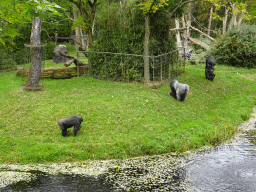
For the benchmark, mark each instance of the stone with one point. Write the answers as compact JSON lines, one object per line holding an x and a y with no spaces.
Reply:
{"x":57,"y":58}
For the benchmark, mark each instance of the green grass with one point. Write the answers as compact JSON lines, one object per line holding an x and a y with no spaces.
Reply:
{"x":121,"y":120}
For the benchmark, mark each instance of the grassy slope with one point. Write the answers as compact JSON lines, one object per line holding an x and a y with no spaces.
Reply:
{"x":121,"y":120}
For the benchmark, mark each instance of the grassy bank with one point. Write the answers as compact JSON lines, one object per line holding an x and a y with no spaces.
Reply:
{"x":121,"y":120}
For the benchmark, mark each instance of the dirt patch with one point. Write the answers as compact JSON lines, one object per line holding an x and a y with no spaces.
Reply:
{"x":251,"y":77}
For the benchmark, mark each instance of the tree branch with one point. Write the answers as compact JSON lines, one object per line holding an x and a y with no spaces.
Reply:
{"x":180,"y":5}
{"x":72,"y":60}
{"x":203,"y":33}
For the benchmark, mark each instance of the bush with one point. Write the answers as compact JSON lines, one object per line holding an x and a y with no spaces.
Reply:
{"x":237,"y":47}
{"x":123,"y":31}
{"x":50,"y":46}
{"x":6,"y":61}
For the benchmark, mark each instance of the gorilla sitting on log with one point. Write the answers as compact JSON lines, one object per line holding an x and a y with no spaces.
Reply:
{"x":179,"y":90}
{"x":66,"y":123}
{"x":209,"y":68}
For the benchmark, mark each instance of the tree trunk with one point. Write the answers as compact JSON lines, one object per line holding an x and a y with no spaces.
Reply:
{"x":146,"y":49}
{"x":185,"y":44}
{"x":233,"y":19}
{"x":202,"y":44}
{"x":241,"y":17}
{"x":36,"y":54}
{"x":177,"y":26}
{"x":225,"y":19}
{"x":210,"y":21}
{"x":82,"y":39}
{"x":92,"y":19}
{"x":188,"y":20}
{"x":78,"y":38}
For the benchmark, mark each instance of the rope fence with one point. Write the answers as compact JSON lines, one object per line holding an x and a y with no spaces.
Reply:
{"x":130,"y":67}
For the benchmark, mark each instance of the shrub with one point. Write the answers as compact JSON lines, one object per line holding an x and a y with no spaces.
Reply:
{"x":50,"y":46}
{"x":237,"y":47}
{"x":123,"y":31}
{"x":6,"y":61}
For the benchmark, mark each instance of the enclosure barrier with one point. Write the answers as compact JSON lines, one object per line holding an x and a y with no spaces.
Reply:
{"x":130,"y":67}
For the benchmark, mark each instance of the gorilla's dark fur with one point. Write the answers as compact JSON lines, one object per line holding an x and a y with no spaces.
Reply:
{"x":209,"y":68}
{"x":66,"y":123}
{"x":179,"y":90}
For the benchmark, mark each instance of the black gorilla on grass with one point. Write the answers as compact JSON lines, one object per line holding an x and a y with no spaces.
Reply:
{"x":209,"y":68}
{"x":66,"y":123}
{"x":179,"y":90}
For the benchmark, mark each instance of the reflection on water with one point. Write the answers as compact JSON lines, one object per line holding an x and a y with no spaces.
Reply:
{"x":63,"y":183}
{"x":231,"y":167}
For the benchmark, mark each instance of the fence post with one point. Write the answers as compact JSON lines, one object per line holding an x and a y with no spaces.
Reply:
{"x":161,"y":72}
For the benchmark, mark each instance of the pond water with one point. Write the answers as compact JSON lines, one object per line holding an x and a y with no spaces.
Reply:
{"x":230,"y":167}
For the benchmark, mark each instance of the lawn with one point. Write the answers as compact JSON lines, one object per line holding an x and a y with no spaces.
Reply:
{"x":121,"y":120}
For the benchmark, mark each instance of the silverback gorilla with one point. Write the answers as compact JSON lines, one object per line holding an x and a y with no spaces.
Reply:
{"x":179,"y":90}
{"x":66,"y":123}
{"x":209,"y":68}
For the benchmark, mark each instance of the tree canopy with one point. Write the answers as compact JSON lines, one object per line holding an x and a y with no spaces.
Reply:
{"x":18,"y":12}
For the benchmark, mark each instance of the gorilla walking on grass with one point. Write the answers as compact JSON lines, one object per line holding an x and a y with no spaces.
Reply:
{"x":209,"y":68}
{"x":66,"y":123}
{"x":179,"y":90}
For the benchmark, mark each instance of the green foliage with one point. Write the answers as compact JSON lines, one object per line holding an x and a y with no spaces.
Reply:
{"x":50,"y":46}
{"x":17,"y":13}
{"x":121,"y":120}
{"x":152,"y":6}
{"x":123,"y":31}
{"x":5,"y":60}
{"x":237,"y":47}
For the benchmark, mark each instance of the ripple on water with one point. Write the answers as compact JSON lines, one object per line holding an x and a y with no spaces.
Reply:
{"x":228,"y":168}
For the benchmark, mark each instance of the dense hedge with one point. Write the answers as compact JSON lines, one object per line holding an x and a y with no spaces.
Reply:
{"x":123,"y":31}
{"x":237,"y":47}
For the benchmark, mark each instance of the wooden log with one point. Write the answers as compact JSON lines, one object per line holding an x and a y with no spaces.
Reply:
{"x":55,"y":73}
{"x":69,"y":62}
{"x":75,"y":60}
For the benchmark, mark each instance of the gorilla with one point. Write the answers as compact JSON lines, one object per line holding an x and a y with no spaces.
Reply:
{"x":210,"y":62}
{"x":66,"y":123}
{"x":179,"y":90}
{"x":209,"y":73}
{"x":209,"y":68}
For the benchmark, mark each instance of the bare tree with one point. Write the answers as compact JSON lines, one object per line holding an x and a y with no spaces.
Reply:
{"x":210,"y":20}
{"x":87,"y":9}
{"x":146,"y":49}
{"x":225,"y":19}
{"x":177,"y":25}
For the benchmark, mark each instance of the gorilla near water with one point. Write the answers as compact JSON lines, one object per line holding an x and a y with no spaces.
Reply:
{"x":179,"y":90}
{"x":209,"y":68}
{"x":66,"y":123}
